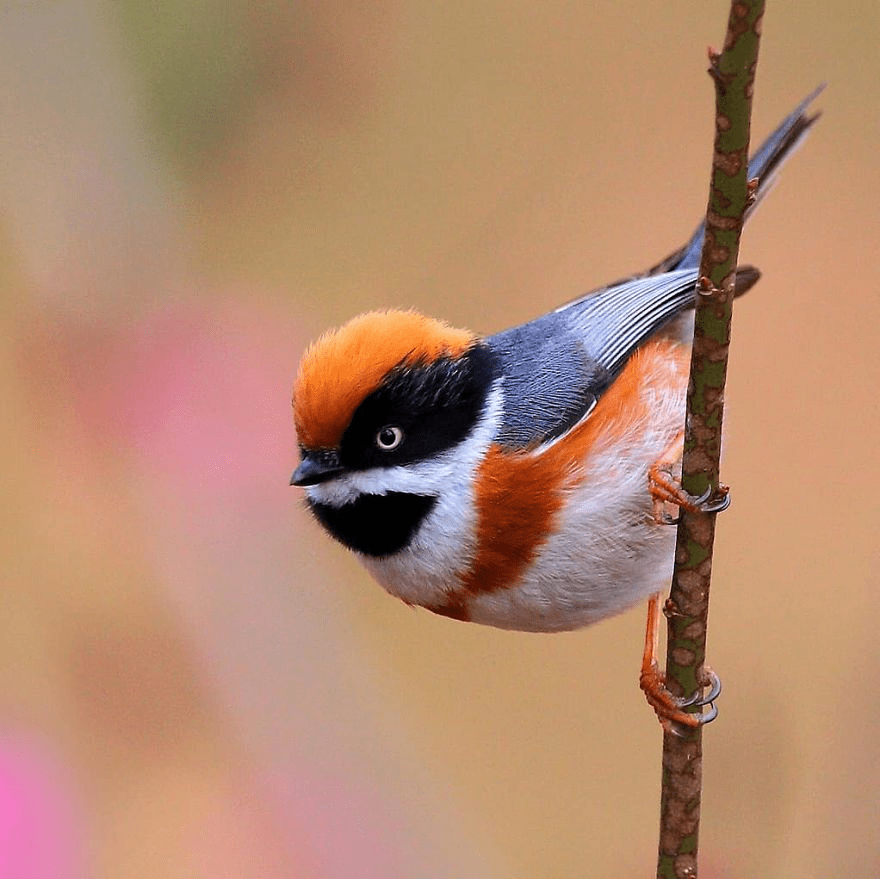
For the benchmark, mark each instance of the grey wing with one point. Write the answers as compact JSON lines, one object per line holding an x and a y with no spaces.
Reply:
{"x":550,"y":380}
{"x":555,"y":368}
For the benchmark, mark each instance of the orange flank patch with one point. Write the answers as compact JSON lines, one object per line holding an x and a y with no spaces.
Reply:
{"x":520,"y":492}
{"x":345,"y":365}
{"x":517,"y":498}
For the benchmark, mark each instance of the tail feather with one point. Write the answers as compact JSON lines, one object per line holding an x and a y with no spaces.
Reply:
{"x":764,"y":165}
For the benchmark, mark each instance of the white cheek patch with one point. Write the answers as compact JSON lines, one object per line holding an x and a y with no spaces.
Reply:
{"x":424,"y":477}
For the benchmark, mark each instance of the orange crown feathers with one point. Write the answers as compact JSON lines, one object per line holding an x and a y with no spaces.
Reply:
{"x":345,"y":365}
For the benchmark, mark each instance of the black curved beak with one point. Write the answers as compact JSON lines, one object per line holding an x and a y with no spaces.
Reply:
{"x":316,"y":467}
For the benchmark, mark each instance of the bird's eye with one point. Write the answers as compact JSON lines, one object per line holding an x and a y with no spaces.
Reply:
{"x":389,"y":438}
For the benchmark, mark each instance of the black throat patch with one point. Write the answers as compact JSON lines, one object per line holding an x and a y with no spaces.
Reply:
{"x":376,"y":525}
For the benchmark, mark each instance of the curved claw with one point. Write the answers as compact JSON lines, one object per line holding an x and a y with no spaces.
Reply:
{"x":709,"y":715}
{"x":714,"y":683}
{"x":698,"y":697}
{"x":701,"y":500}
{"x":719,"y":505}
{"x":679,"y":728}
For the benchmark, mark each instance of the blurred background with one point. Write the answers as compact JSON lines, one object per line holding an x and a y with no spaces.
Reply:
{"x":194,"y":681}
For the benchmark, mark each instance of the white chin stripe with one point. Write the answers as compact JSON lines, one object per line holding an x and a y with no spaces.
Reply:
{"x":415,"y":478}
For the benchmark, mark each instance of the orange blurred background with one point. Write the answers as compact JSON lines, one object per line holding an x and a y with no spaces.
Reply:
{"x":195,"y":681}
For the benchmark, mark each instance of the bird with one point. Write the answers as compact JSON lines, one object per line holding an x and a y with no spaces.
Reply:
{"x":519,"y":480}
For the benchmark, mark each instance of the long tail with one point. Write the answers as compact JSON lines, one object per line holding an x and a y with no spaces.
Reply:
{"x":765,"y":164}
{"x":614,"y":320}
{"x":617,"y":318}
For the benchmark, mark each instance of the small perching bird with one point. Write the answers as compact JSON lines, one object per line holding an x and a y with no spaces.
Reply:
{"x":516,"y":480}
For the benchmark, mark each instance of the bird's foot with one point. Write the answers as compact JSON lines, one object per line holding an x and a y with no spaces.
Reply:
{"x":666,"y":489}
{"x":670,"y":709}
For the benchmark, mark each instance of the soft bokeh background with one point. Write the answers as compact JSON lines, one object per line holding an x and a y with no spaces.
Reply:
{"x":193,"y":680}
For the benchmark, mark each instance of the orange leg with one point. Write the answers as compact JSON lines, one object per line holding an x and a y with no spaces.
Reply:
{"x":670,"y":709}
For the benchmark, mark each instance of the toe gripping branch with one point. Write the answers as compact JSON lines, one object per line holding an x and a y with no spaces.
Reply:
{"x":665,"y":488}
{"x":671,"y":710}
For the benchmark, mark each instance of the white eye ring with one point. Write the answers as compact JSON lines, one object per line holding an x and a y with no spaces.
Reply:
{"x":389,"y":438}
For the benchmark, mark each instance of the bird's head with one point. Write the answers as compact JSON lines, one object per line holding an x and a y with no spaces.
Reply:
{"x":382,"y":407}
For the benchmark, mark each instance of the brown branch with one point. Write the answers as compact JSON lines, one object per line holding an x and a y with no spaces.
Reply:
{"x":733,"y":72}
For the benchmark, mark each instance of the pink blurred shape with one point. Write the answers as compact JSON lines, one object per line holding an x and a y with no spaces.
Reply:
{"x":203,"y":390}
{"x":38,"y":819}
